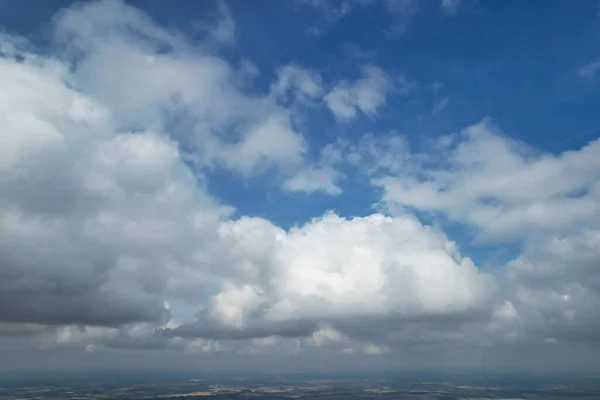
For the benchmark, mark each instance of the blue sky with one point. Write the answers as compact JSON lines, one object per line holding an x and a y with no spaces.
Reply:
{"x":266,"y":178}
{"x":516,"y":63}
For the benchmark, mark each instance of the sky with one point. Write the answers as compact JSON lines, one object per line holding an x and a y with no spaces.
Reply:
{"x":306,"y":185}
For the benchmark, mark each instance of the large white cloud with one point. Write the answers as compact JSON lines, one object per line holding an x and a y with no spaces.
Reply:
{"x":375,"y":266}
{"x":499,"y":185}
{"x":508,"y":191}
{"x":86,"y":210}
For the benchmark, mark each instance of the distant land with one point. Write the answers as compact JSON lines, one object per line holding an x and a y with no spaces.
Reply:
{"x":421,"y":385}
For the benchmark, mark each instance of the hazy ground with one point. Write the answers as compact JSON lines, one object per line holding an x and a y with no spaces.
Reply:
{"x":398,"y":386}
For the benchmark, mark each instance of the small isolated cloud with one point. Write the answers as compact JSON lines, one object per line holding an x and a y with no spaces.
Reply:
{"x":314,"y":180}
{"x":440,"y":105}
{"x":366,"y":95}
{"x":297,"y":82}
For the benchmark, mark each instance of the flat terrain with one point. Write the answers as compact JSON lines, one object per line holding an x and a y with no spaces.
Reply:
{"x":414,"y":386}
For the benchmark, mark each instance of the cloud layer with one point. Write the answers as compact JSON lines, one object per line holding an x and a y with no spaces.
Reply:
{"x":111,"y":240}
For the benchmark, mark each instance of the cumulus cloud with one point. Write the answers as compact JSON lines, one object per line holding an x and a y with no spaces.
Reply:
{"x":297,"y":81}
{"x":150,"y":76}
{"x":314,"y":179}
{"x":508,"y":191}
{"x":502,"y":187}
{"x":99,"y":210}
{"x":367,"y":95}
{"x":376,"y":267}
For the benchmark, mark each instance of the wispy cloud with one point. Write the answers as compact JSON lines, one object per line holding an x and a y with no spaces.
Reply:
{"x":589,"y":71}
{"x":368,"y":94}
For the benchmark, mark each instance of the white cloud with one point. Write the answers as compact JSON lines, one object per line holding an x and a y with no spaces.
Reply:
{"x":314,"y":179}
{"x":500,"y":186}
{"x":148,"y":82}
{"x":95,"y":217}
{"x":303,"y":83}
{"x":332,"y":269}
{"x":367,"y":95}
{"x":224,"y":29}
{"x":271,"y":141}
{"x":509,"y":191}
